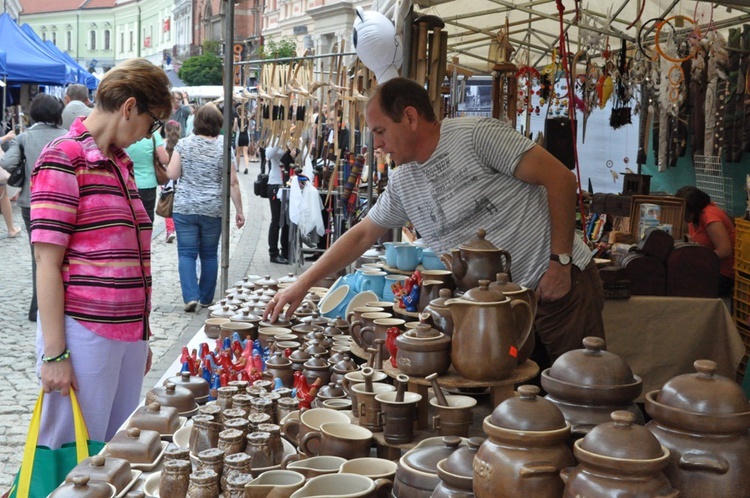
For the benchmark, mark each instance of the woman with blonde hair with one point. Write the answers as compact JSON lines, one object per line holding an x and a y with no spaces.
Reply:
{"x":92,"y":246}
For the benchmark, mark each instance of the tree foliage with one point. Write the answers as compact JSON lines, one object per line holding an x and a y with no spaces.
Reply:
{"x":284,"y":47}
{"x":203,"y":69}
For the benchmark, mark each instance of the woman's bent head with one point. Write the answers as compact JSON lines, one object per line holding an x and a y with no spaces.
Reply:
{"x":139,"y":79}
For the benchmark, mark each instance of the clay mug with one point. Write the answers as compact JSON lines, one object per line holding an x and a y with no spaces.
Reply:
{"x":294,"y":429}
{"x":374,"y":468}
{"x":344,"y":486}
{"x":369,"y":407}
{"x":355,"y":320}
{"x":386,"y":305}
{"x":391,"y":258}
{"x":313,"y":466}
{"x":212,"y":327}
{"x":245,"y":329}
{"x":337,"y":439}
{"x":356,"y":377}
{"x":408,"y":257}
{"x":454,"y":419}
{"x":391,"y":280}
{"x":368,"y":327}
{"x":380,"y":331}
{"x":373,"y":281}
{"x":398,"y":417}
{"x":274,"y":484}
{"x":445,"y":276}
{"x":431,"y":261}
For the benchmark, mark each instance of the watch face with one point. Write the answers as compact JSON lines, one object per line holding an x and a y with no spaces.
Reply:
{"x":564,"y":259}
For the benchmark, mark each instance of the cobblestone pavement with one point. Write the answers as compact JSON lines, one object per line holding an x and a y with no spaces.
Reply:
{"x":172,"y":327}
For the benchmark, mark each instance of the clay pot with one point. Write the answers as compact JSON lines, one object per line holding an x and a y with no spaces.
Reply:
{"x":703,"y":420}
{"x":369,"y":407}
{"x":455,"y":418}
{"x":438,"y":314}
{"x":619,"y":458}
{"x":589,"y":384}
{"x":356,"y":377}
{"x":317,"y":367}
{"x":526,"y":449}
{"x":212,"y":327}
{"x":456,"y":473}
{"x":422,"y":351}
{"x":488,"y":333}
{"x":299,"y":357}
{"x":279,"y":366}
{"x":267,"y":281}
{"x":328,"y":392}
{"x":416,"y":476}
{"x":428,"y":291}
{"x":246,"y":330}
{"x":478,"y":260}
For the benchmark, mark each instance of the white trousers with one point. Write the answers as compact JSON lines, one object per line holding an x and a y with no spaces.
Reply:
{"x":110,"y":377}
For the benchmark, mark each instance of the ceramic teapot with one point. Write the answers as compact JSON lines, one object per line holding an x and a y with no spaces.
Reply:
{"x":504,"y":286}
{"x":488,"y":332}
{"x":704,"y":421}
{"x":478,"y":260}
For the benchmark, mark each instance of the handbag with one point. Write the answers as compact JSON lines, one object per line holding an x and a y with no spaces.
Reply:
{"x":166,"y":202}
{"x":159,"y":169}
{"x":260,"y":187}
{"x":43,"y":469}
{"x":18,"y":174}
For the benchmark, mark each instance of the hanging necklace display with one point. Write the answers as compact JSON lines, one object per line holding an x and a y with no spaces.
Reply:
{"x":527,"y":79}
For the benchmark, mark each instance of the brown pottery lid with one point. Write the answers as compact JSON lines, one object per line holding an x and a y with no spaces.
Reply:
{"x":426,"y":458}
{"x":439,"y":302}
{"x":266,"y":280}
{"x":172,"y":395}
{"x":622,"y":439}
{"x":503,"y":284}
{"x":300,"y":355}
{"x":339,"y":323}
{"x":461,"y":461}
{"x":316,"y":362}
{"x":82,"y":486}
{"x":479,"y":243}
{"x":704,"y":392}
{"x":279,"y":360}
{"x":332,"y":390}
{"x":528,"y":412}
{"x":592,"y":366}
{"x":483,"y":294}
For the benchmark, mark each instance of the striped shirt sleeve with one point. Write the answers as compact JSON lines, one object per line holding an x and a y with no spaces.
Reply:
{"x":389,"y":211}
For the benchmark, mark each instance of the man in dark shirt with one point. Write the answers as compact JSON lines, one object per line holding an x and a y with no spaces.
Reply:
{"x":180,"y":110}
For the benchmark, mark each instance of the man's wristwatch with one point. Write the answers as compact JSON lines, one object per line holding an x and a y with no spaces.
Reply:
{"x":564,"y":258}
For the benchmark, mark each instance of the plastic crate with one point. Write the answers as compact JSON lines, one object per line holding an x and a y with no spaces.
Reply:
{"x":672,"y":212}
{"x":742,"y":303}
{"x":742,"y":246}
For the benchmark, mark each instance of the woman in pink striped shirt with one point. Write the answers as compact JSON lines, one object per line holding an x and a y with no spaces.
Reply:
{"x":92,"y":242}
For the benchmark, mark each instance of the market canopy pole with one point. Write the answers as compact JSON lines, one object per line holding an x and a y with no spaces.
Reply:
{"x":228,"y":115}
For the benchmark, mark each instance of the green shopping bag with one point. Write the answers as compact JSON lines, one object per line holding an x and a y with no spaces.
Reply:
{"x":43,"y":469}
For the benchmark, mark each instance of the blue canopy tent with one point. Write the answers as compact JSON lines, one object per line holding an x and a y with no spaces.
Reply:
{"x":84,"y":77}
{"x":26,"y":62}
{"x":3,"y":63}
{"x":71,"y":72}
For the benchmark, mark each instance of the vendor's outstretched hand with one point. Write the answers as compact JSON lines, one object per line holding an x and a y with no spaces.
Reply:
{"x":555,"y":283}
{"x":291,"y":296}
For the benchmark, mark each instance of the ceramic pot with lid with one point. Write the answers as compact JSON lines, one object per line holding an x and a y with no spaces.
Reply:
{"x":193,"y":383}
{"x":422,"y":351}
{"x":267,"y":281}
{"x":526,"y":449}
{"x":317,"y":367}
{"x":279,"y":366}
{"x":307,"y":308}
{"x":172,"y":395}
{"x":478,"y":260}
{"x":589,"y":384}
{"x":703,"y":419}
{"x":438,"y":314}
{"x":416,"y":475}
{"x":619,"y":458}
{"x":487,"y":333}
{"x":456,"y":472}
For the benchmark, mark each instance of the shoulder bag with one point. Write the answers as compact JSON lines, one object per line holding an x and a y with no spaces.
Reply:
{"x":159,"y":169}
{"x":166,"y":202}
{"x":18,"y":174}
{"x":43,"y":469}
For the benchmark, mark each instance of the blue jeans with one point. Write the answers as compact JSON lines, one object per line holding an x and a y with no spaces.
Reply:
{"x":198,"y":236}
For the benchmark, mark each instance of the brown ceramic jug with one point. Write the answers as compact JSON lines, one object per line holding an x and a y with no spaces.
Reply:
{"x":704,"y":421}
{"x":478,"y":260}
{"x":504,"y":286}
{"x":488,"y":333}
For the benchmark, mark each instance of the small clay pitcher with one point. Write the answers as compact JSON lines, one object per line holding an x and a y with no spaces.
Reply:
{"x":275,"y":484}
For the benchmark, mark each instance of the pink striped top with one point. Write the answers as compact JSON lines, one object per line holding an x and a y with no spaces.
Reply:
{"x":79,"y":201}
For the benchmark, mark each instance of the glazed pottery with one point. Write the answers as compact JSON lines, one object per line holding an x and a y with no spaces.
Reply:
{"x":355,"y":318}
{"x":317,"y":368}
{"x":267,"y":335}
{"x":154,"y":417}
{"x":397,"y":417}
{"x":526,"y":449}
{"x":487,"y":333}
{"x":454,"y":419}
{"x":431,"y":261}
{"x":428,"y":290}
{"x":373,"y":281}
{"x":589,"y":384}
{"x":445,"y":276}
{"x":422,"y":351}
{"x":244,"y":329}
{"x":335,"y":302}
{"x":438,"y":314}
{"x":390,"y":253}
{"x":416,"y":476}
{"x":193,"y":383}
{"x":294,"y":429}
{"x":135,"y":445}
{"x":275,"y":484}
{"x":267,"y":281}
{"x":368,"y":406}
{"x":81,"y":486}
{"x":703,"y":420}
{"x":212,"y":327}
{"x":514,"y":291}
{"x":456,"y":473}
{"x":343,"y":486}
{"x":478,"y":260}
{"x":408,"y":257}
{"x":115,"y":471}
{"x":356,"y":377}
{"x":379,"y":330}
{"x":280,"y":367}
{"x":314,"y":466}
{"x":171,"y":395}
{"x":337,"y":439}
{"x":367,"y":325}
{"x":619,"y":458}
{"x":390,"y":281}
{"x":374,"y":468}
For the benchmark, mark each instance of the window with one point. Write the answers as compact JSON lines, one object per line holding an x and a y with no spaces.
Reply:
{"x":54,"y":37}
{"x":92,"y":40}
{"x":44,"y":36}
{"x":106,"y":40}
{"x":69,"y":40}
{"x":122,"y":42}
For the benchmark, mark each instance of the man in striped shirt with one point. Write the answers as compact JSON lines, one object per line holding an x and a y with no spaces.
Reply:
{"x":459,"y":175}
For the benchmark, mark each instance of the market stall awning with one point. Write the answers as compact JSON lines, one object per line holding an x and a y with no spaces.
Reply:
{"x":84,"y":77}
{"x":26,"y":62}
{"x":71,"y":71}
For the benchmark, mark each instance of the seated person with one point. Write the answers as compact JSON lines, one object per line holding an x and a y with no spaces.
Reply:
{"x":710,"y":226}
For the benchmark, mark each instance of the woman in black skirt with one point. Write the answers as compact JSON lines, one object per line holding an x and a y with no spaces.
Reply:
{"x":241,"y":125}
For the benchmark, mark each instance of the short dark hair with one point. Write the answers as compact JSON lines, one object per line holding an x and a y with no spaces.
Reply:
{"x":397,"y":94}
{"x":696,"y":201}
{"x":208,"y":121}
{"x":77,"y":91}
{"x":46,"y":109}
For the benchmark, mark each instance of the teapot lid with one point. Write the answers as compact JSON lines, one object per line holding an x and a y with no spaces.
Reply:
{"x":528,"y":412}
{"x":278,"y":360}
{"x":332,"y":390}
{"x":479,"y":243}
{"x":461,"y":461}
{"x":345,"y":365}
{"x":300,"y":355}
{"x":704,"y":392}
{"x":443,"y":295}
{"x":592,"y":366}
{"x":316,"y":362}
{"x":483,"y":294}
{"x":338,"y":322}
{"x":502,"y":283}
{"x":425,"y":458}
{"x":266,"y":280}
{"x":622,"y":439}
